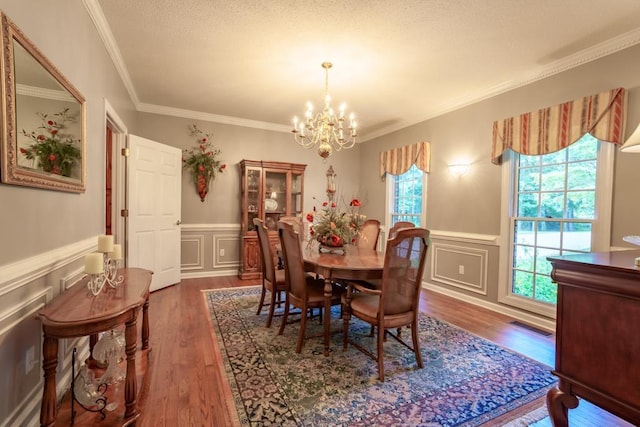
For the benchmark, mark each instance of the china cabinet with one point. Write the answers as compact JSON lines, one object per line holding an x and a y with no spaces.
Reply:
{"x":270,"y":190}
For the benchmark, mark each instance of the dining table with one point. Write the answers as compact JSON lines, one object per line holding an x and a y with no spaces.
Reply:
{"x":349,"y":264}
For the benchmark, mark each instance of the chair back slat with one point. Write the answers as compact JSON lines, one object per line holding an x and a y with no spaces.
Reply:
{"x":268,"y":264}
{"x":369,"y":233}
{"x":403,"y":268}
{"x":399,"y":226}
{"x":293,"y":260}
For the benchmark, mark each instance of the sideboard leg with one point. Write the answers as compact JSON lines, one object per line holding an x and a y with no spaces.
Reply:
{"x":558,"y":404}
{"x":49,"y":364}
{"x":130,"y":387}
{"x":145,"y":324}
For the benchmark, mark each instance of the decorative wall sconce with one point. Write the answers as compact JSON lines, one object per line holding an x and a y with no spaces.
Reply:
{"x":459,"y":169}
{"x":102,"y":266}
{"x":632,"y":144}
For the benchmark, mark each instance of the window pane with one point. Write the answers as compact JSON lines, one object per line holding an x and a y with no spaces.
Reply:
{"x":542,"y":264}
{"x":529,"y":179}
{"x":528,"y":205}
{"x":553,"y":177}
{"x":546,"y":290}
{"x":523,"y":283}
{"x":548,"y":234}
{"x":551,"y":158}
{"x":585,"y":149}
{"x":577,"y":236}
{"x":582,"y":176}
{"x":529,"y":160}
{"x":525,"y":232}
{"x":523,"y":258}
{"x":581,"y":204}
{"x":552,"y":205}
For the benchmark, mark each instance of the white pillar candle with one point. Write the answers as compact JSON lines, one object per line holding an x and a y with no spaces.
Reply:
{"x":116,"y":254}
{"x":93,"y":263}
{"x":105,"y":243}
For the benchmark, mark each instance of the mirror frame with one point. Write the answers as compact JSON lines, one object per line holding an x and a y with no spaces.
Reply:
{"x":10,"y":171}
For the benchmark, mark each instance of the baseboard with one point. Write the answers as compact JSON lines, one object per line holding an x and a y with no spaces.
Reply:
{"x":205,"y":274}
{"x":531,"y":319}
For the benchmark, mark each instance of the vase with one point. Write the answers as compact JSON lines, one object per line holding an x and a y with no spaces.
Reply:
{"x":202,"y":185}
{"x":326,"y":249}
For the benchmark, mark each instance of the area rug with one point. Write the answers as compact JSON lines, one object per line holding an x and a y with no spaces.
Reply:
{"x":466,"y":380}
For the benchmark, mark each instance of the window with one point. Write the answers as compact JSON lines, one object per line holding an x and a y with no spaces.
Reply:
{"x":559,"y":205}
{"x":407,"y":196}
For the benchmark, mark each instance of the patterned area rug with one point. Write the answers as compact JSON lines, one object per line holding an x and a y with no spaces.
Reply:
{"x":466,"y":380}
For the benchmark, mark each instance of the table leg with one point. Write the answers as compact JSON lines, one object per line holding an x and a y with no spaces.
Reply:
{"x":346,"y":314}
{"x":558,"y":404}
{"x":327,"y":314}
{"x":145,"y":324}
{"x":49,"y":363}
{"x":130,"y":387}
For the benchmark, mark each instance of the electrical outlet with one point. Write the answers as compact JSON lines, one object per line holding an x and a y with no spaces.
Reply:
{"x":30,"y":360}
{"x":461,"y":269}
{"x":221,"y":252}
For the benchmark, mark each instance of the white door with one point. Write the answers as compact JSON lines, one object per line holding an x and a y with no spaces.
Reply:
{"x":153,"y":200}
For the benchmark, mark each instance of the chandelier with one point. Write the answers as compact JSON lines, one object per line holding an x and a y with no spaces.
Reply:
{"x":325,"y":127}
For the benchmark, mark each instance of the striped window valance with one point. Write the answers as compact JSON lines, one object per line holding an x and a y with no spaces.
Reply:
{"x":554,"y":128}
{"x":399,"y":160}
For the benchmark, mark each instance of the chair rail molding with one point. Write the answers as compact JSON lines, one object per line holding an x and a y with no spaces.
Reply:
{"x":456,"y":236}
{"x":21,"y":272}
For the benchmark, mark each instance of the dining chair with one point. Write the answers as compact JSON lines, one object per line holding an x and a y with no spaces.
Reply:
{"x":398,"y":226}
{"x":304,"y":291}
{"x":273,"y":280}
{"x":369,"y":233}
{"x":396,"y":303}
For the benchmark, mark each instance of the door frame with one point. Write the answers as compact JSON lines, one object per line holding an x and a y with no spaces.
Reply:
{"x":119,"y":178}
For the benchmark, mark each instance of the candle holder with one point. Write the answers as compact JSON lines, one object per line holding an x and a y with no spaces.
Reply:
{"x":111,"y":271}
{"x":102,"y":266}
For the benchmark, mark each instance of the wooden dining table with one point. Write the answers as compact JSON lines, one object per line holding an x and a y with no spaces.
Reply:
{"x":355,"y":264}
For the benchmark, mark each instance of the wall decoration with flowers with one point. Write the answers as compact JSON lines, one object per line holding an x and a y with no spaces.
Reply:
{"x":202,"y":161}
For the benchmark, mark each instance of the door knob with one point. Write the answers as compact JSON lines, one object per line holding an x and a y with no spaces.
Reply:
{"x":178,"y":222}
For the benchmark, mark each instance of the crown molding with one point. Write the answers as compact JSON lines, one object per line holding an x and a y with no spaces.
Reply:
{"x":217,"y":118}
{"x":100,"y":22}
{"x":40,"y":92}
{"x":584,"y":56}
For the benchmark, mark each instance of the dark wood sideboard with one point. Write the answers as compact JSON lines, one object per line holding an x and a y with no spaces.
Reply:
{"x":77,"y":313}
{"x":597,"y":334}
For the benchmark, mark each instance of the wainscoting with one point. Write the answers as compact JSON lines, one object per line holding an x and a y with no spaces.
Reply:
{"x":210,"y":250}
{"x":25,"y":287}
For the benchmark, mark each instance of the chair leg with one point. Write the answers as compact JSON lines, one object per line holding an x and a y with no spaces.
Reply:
{"x":381,"y":334}
{"x":416,"y":343}
{"x":303,"y":329}
{"x":272,"y":307}
{"x":285,"y":316}
{"x":261,"y":300}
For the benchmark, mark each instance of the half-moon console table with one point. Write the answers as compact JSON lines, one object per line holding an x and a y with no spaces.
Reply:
{"x":597,"y":338}
{"x":76,"y":313}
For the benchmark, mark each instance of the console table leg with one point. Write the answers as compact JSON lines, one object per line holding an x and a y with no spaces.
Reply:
{"x":130,"y":386}
{"x":558,"y":404}
{"x":145,"y":324}
{"x":49,"y":364}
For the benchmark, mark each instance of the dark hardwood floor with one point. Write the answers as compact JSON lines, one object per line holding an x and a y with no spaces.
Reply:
{"x":186,"y":387}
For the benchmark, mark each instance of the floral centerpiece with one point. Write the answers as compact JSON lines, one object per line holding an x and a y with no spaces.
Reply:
{"x":55,"y":151}
{"x":334,"y":227}
{"x":202,"y":161}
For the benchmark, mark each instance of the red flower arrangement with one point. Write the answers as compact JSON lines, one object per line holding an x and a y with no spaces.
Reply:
{"x":202,"y":161}
{"x":333,"y":227}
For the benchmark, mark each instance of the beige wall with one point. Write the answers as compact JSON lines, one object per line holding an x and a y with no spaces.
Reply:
{"x":465,"y":209}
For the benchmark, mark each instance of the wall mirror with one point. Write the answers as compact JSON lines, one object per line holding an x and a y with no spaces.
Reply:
{"x":43,"y":119}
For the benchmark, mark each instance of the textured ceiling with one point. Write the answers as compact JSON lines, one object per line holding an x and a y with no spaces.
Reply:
{"x":396,"y":63}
